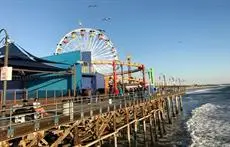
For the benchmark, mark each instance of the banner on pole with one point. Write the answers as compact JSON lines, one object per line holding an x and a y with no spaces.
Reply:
{"x":6,"y":73}
{"x":151,"y":76}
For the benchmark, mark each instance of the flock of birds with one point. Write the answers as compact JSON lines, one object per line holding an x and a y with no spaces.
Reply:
{"x":105,"y":19}
{"x":109,"y":19}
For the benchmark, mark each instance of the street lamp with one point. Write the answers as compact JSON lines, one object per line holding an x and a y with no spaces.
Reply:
{"x":164,"y":83}
{"x":171,"y":80}
{"x":5,"y":65}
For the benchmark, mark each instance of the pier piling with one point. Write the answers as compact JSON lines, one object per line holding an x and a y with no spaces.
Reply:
{"x":151,"y":130}
{"x":145,"y":135}
{"x":181,"y":104}
{"x":172,"y":107}
{"x":176,"y":104}
{"x":159,"y":124}
{"x":155,"y":127}
{"x":162,"y":122}
{"x":115,"y":140}
{"x":168,"y":110}
{"x":135,"y":134}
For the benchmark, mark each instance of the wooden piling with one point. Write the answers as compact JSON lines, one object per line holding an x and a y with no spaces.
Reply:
{"x":172,"y":107}
{"x":144,"y":124}
{"x":128,"y":135}
{"x":168,"y":110}
{"x":181,"y":104}
{"x":115,"y":140}
{"x":144,"y":129}
{"x":115,"y":129}
{"x":128,"y":127}
{"x":151,"y":130}
{"x":155,"y":127}
{"x":162,"y":122}
{"x":135,"y":126}
{"x":159,"y":123}
{"x":76,"y":139}
{"x":176,"y":104}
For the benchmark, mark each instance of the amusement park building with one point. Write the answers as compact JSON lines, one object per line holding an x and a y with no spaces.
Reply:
{"x":85,"y":77}
{"x":52,"y":72}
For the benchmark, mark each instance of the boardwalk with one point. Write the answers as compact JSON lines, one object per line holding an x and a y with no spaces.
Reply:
{"x":92,"y":121}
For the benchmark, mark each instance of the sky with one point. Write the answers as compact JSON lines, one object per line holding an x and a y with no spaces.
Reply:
{"x":189,"y":39}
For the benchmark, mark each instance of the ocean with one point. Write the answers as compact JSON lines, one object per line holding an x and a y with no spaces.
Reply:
{"x":205,"y":121}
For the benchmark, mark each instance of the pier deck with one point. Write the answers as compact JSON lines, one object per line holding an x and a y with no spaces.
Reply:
{"x":90,"y":121}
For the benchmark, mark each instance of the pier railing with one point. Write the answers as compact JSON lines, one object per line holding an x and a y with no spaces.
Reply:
{"x":59,"y":112}
{"x":66,"y":111}
{"x":14,"y":97}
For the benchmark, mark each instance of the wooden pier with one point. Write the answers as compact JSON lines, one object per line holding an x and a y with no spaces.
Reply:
{"x":97,"y":120}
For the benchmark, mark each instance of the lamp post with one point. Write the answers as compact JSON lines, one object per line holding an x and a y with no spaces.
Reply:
{"x":5,"y":65}
{"x":164,"y":83}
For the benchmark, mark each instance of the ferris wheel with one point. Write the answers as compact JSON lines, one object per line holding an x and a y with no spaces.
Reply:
{"x":95,"y":41}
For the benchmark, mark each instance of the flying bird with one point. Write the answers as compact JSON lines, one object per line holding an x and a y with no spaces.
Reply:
{"x":107,"y":19}
{"x":92,"y":6}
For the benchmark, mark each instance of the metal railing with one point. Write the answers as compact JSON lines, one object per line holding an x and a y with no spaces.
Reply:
{"x":65,"y":111}
{"x":61,"y":112}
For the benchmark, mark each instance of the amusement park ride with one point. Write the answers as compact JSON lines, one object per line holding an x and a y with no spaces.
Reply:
{"x":104,"y":57}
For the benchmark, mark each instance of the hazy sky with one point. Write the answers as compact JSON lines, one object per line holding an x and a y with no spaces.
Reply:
{"x":183,"y":38}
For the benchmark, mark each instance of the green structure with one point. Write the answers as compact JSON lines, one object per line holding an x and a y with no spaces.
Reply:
{"x":151,"y":76}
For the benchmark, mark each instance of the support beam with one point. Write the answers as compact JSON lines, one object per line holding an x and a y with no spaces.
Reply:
{"x":66,"y":132}
{"x":77,"y":140}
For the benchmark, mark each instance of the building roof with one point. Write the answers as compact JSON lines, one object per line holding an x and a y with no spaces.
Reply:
{"x":21,"y":59}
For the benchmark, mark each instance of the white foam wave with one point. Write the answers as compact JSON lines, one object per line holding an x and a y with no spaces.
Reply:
{"x":198,"y":91}
{"x":208,"y":128}
{"x":204,"y":90}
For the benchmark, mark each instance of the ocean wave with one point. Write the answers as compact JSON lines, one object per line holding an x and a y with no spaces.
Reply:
{"x":209,"y":126}
{"x":198,"y":91}
{"x":206,"y":90}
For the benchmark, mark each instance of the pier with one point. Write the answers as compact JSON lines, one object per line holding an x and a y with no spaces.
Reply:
{"x":92,"y":121}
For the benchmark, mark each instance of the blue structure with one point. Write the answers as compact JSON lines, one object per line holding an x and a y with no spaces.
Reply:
{"x":85,"y":79}
{"x":50,"y":74}
{"x":59,"y":82}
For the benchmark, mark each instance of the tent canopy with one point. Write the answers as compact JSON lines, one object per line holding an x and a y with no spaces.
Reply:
{"x":21,"y":59}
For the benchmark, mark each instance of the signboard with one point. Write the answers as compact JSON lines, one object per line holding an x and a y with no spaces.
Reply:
{"x":6,"y":73}
{"x":151,"y":76}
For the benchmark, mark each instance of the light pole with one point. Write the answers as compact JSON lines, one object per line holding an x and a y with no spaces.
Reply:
{"x":164,"y":83}
{"x":171,"y":81}
{"x":5,"y":65}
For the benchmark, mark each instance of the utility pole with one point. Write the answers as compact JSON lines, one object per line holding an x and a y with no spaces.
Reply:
{"x":5,"y":65}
